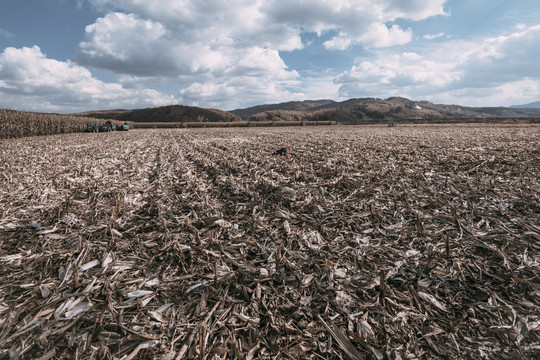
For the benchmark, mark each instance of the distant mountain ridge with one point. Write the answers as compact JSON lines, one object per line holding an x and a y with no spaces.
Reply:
{"x":286,"y":106}
{"x":352,"y":111}
{"x":170,"y":113}
{"x":365,"y":110}
{"x":533,"y":105}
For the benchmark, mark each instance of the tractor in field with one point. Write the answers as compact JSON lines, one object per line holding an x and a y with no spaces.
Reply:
{"x":91,"y":127}
{"x":124,"y":126}
{"x":108,"y":126}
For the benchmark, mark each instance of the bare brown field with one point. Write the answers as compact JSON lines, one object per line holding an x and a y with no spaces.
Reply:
{"x":413,"y":242}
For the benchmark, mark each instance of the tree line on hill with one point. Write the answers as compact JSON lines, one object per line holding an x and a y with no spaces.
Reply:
{"x":352,"y":111}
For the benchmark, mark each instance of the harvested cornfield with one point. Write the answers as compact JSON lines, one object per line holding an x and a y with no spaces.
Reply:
{"x":368,"y":243}
{"x":223,"y":124}
{"x":18,"y":124}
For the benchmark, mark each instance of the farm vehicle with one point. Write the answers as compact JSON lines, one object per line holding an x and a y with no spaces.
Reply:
{"x":124,"y":126}
{"x":91,"y":127}
{"x":108,"y":126}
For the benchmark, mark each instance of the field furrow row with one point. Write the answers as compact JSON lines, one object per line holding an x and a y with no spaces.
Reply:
{"x":185,"y":243}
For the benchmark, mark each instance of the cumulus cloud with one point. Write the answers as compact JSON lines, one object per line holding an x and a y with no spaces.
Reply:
{"x":205,"y":46}
{"x":365,"y":22}
{"x":126,"y":44}
{"x":241,"y":23}
{"x":260,"y":74}
{"x":340,"y":42}
{"x":237,"y":92}
{"x":398,"y":73}
{"x":379,"y":36}
{"x":32,"y":81}
{"x":493,"y":71}
{"x":320,"y":87}
{"x":197,"y":45}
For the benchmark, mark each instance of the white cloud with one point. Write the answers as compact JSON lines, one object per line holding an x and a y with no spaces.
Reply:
{"x":31,"y":81}
{"x":5,"y":34}
{"x":229,"y":53}
{"x":379,"y":36}
{"x":320,"y":87}
{"x":433,"y":36}
{"x":140,"y":48}
{"x":125,"y":44}
{"x":402,"y":74}
{"x":494,"y":71}
{"x":225,"y":50}
{"x":240,"y":92}
{"x":414,"y":9}
{"x":258,"y":76}
{"x":505,"y":94}
{"x":340,"y":42}
{"x":236,"y":22}
{"x":365,"y":22}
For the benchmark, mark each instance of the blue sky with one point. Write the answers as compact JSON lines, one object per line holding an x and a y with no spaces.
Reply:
{"x":76,"y":55}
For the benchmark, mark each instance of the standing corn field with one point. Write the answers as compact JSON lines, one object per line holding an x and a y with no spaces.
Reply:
{"x":17,"y":124}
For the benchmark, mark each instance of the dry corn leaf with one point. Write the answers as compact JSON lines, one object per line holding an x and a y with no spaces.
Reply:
{"x":229,"y":251}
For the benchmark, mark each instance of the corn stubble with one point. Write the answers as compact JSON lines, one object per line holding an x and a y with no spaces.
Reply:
{"x":372,"y":242}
